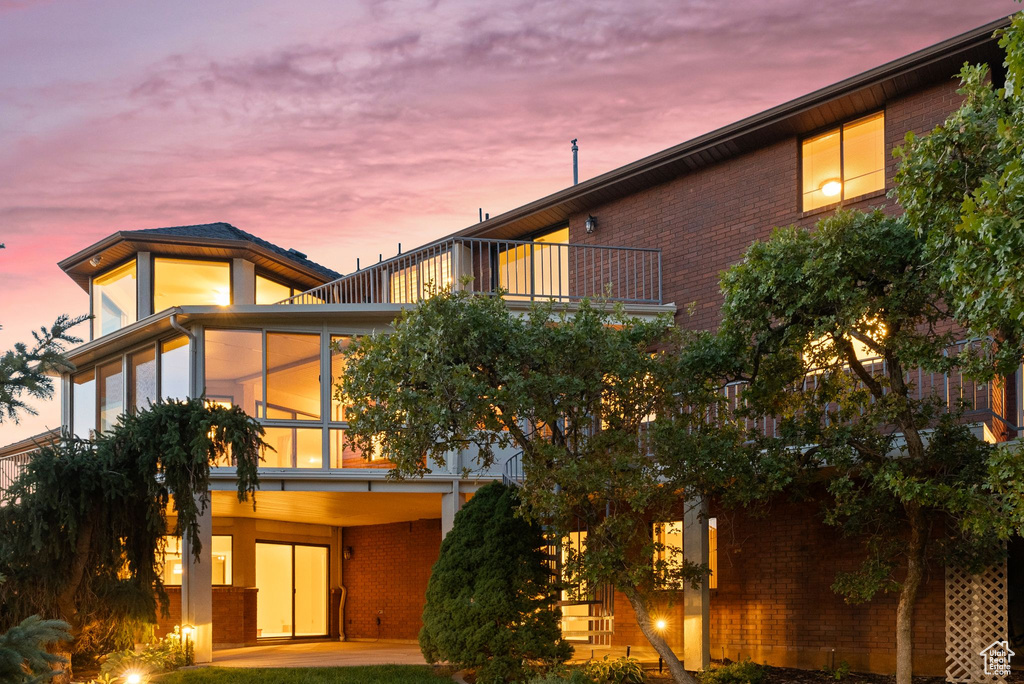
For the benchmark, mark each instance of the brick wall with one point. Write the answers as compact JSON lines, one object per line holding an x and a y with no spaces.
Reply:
{"x":386,"y":577}
{"x":234,"y":615}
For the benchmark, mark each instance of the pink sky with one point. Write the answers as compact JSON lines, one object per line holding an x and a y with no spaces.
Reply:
{"x":343,"y":128}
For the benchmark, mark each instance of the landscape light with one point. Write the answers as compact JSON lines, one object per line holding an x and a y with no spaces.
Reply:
{"x":660,"y":624}
{"x":133,"y":678}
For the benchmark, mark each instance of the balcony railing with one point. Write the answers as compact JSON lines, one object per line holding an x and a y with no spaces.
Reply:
{"x":10,"y":468}
{"x":521,"y":270}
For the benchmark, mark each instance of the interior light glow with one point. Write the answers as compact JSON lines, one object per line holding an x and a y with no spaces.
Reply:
{"x":177,"y":568}
{"x":831,"y":188}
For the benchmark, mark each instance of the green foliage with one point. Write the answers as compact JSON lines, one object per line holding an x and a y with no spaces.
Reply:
{"x":489,"y":604}
{"x":742,"y":672}
{"x":163,"y":655}
{"x":82,"y":540}
{"x":25,"y":370}
{"x":962,"y":187}
{"x":609,"y":670}
{"x":24,"y":658}
{"x":839,"y":672}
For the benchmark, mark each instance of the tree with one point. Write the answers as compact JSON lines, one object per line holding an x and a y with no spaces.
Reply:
{"x":25,"y":370}
{"x":962,"y":188}
{"x":490,"y":604}
{"x":576,"y":393}
{"x":23,"y":655}
{"x":829,"y":327}
{"x":83,"y":536}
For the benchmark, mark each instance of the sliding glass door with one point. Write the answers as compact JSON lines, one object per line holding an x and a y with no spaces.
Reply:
{"x":292,"y":583}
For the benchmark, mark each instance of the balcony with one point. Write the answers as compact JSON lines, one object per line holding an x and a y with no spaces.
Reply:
{"x":520,"y":270}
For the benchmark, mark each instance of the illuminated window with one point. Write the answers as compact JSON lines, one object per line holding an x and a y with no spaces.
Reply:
{"x":174,"y":368}
{"x":845,"y":162}
{"x":539,"y":269}
{"x":142,"y":380}
{"x":293,"y":376}
{"x":293,"y":448}
{"x":414,"y":282}
{"x":344,"y":456}
{"x":188,"y":282}
{"x":669,"y":535}
{"x":83,"y":404}
{"x":220,"y":553}
{"x":234,"y":368}
{"x":110,"y":381}
{"x":339,"y":345}
{"x":114,"y":296}
{"x":270,"y":291}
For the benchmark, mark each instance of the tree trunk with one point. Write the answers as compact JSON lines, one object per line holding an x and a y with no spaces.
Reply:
{"x":643,"y":619}
{"x":64,"y":669}
{"x":908,"y":599}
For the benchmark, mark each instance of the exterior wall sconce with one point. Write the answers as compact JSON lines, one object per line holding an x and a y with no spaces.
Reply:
{"x":591,"y":224}
{"x":347,"y":553}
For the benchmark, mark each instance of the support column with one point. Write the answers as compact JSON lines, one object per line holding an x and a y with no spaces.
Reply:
{"x":197,"y":588}
{"x":696,"y":602}
{"x":450,"y":505}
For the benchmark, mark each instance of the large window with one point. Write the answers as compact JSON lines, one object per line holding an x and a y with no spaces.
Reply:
{"x":845,"y":162}
{"x":234,"y":369}
{"x":174,"y":368}
{"x":669,"y":537}
{"x":220,"y":554}
{"x":114,"y":297}
{"x":189,"y":282}
{"x":293,"y":376}
{"x":142,"y":382}
{"x":110,"y":381}
{"x":270,"y":291}
{"x":539,"y":269}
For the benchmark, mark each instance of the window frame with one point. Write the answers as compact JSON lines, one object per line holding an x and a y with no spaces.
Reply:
{"x":92,"y":298}
{"x":840,"y":127}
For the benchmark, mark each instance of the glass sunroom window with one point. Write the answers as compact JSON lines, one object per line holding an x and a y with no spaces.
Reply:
{"x":110,"y":381}
{"x":270,"y":291}
{"x":298,"y":447}
{"x":234,"y":368}
{"x":174,"y":368}
{"x":190,"y":282}
{"x":114,"y":299}
{"x":83,"y":404}
{"x":293,"y":376}
{"x":142,"y":380}
{"x":843,"y":163}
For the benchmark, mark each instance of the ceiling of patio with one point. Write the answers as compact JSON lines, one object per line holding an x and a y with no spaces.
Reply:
{"x":331,"y":508}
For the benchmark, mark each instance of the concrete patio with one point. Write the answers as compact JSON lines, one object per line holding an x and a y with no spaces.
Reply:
{"x":321,"y":654}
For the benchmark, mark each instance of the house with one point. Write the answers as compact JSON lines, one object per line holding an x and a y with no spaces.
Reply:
{"x":335,"y":549}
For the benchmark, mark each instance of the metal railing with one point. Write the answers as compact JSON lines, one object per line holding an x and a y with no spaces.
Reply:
{"x":520,"y":269}
{"x":10,"y":468}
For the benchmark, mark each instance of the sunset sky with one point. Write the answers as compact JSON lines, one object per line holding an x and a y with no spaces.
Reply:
{"x":342,"y":128}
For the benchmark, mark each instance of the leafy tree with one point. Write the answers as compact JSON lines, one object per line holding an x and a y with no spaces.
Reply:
{"x":490,"y":604}
{"x":575,"y":392}
{"x":25,"y":370}
{"x":829,"y":326}
{"x":82,"y":538}
{"x":962,"y":188}
{"x":23,"y":655}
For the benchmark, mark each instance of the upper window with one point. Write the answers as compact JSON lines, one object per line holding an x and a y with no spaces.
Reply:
{"x":270,"y":291}
{"x":114,"y":296}
{"x":189,"y":282}
{"x":845,"y":162}
{"x":540,"y":268}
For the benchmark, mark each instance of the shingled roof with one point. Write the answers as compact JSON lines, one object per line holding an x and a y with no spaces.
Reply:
{"x":226,"y":231}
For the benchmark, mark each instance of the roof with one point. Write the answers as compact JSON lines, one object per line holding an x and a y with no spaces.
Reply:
{"x":30,"y":443}
{"x":216,"y":240}
{"x":226,"y":231}
{"x":844,"y":100}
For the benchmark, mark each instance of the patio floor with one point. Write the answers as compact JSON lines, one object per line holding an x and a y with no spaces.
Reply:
{"x":321,"y":654}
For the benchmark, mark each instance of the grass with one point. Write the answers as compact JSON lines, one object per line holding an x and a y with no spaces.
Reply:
{"x":369,"y":674}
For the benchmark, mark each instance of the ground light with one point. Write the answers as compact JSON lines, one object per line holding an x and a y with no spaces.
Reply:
{"x":660,"y":625}
{"x":133,"y":678}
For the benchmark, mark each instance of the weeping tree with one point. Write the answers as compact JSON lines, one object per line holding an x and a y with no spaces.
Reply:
{"x":576,"y":393}
{"x":830,"y":327}
{"x":82,"y":537}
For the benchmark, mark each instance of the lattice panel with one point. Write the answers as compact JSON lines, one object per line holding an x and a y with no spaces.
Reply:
{"x":976,"y":616}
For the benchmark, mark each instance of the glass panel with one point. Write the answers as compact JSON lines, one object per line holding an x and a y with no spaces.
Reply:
{"x":233,"y":367}
{"x":573,"y":610}
{"x":412,"y":283}
{"x":174,"y":368}
{"x":551,"y":264}
{"x":344,"y":456}
{"x":188,"y":282}
{"x":270,"y":291}
{"x":274,"y":583}
{"x":293,"y":448}
{"x":114,"y":296}
{"x":293,"y":376}
{"x":338,"y":345}
{"x":864,"y":156}
{"x":220,"y":554}
{"x":670,"y":534}
{"x":111,"y":396}
{"x":822,"y":177}
{"x":142,"y":366}
{"x":713,"y":552}
{"x":310,"y":590}
{"x":83,"y":404}
{"x":514,"y":271}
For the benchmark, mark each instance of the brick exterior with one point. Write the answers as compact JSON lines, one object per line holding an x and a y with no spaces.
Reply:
{"x":234,"y":615}
{"x":386,"y":577}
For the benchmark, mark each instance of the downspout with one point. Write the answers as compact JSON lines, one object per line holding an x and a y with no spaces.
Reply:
{"x":180,"y":328}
